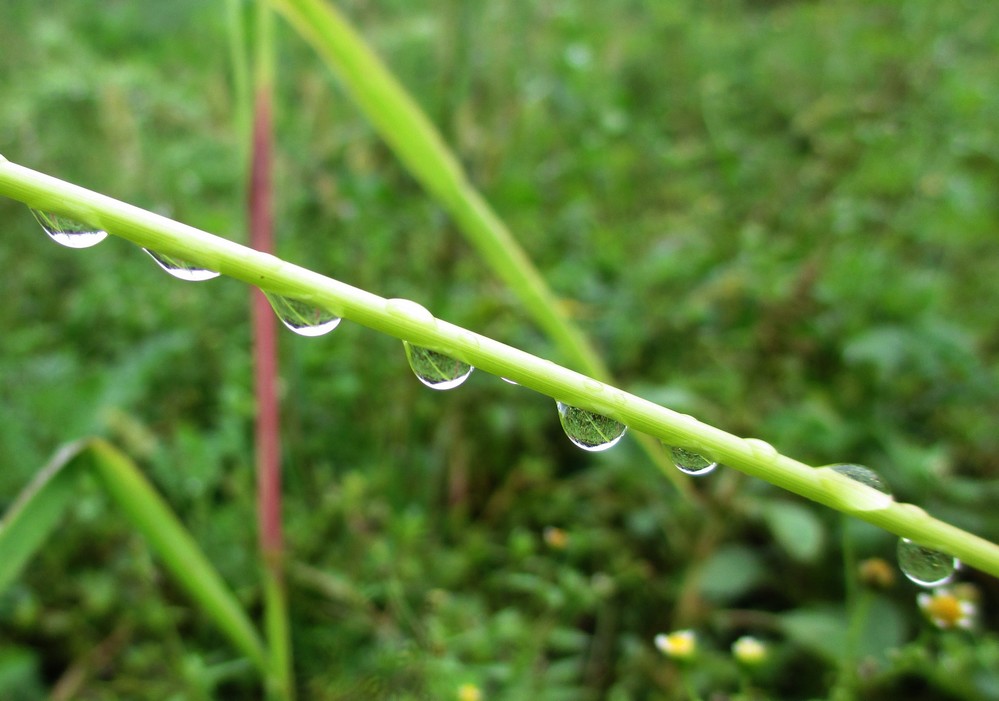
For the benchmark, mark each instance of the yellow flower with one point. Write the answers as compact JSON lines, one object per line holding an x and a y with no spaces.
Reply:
{"x":680,"y":644}
{"x":749,"y":651}
{"x":469,"y":692}
{"x":876,"y":572}
{"x":555,"y":537}
{"x":946,"y":610}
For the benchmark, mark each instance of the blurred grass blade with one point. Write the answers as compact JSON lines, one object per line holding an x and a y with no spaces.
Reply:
{"x":38,"y":510}
{"x":176,"y":548}
{"x":420,"y":147}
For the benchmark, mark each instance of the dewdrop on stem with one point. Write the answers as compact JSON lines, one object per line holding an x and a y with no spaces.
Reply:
{"x":587,"y":430}
{"x":301,"y":317}
{"x":180,"y":269}
{"x":68,"y":232}
{"x":925,"y":566}
{"x":436,"y":370}
{"x":690,"y":462}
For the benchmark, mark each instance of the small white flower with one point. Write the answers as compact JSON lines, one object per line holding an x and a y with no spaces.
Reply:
{"x":749,"y":650}
{"x":680,"y":644}
{"x":946,"y":610}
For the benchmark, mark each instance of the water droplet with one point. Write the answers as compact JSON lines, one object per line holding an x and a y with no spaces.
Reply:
{"x":68,"y":232}
{"x":301,"y":317}
{"x":690,"y":462}
{"x":864,"y":475}
{"x":182,"y":270}
{"x":589,"y":431}
{"x":408,"y":309}
{"x":761,"y":449}
{"x":877,"y":497}
{"x":925,"y":566}
{"x":436,"y":370}
{"x":507,"y":379}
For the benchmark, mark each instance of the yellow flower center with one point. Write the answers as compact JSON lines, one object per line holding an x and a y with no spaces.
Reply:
{"x":946,"y":609}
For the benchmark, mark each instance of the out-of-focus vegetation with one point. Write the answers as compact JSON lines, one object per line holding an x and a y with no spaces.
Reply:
{"x":778,"y":216}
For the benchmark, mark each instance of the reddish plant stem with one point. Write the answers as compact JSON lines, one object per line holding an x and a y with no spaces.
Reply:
{"x":268,"y":442}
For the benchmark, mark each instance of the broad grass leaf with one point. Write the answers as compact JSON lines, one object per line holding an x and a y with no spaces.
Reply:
{"x":797,"y":528}
{"x":820,"y":630}
{"x":731,"y":572}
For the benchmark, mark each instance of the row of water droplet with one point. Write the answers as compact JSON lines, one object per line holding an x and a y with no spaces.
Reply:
{"x":588,"y":430}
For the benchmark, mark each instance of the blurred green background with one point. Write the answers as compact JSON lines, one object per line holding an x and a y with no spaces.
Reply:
{"x":779,"y":216}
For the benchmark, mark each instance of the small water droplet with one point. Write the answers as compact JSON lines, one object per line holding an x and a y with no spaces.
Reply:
{"x":690,"y":462}
{"x":434,"y":369}
{"x":508,"y":380}
{"x":182,"y":270}
{"x":761,"y":449}
{"x":877,"y":497}
{"x":67,"y":232}
{"x":301,"y":317}
{"x":589,"y":431}
{"x":408,"y":309}
{"x":925,"y":566}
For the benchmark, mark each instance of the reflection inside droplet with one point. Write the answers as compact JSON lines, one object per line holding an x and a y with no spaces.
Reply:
{"x":436,"y":370}
{"x":925,"y":566}
{"x":588,"y":430}
{"x":68,"y":232}
{"x":180,"y":269}
{"x":691,"y":462}
{"x":301,"y":317}
{"x":878,"y":496}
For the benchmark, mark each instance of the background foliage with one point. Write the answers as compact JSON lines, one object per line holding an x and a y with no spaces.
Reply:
{"x":777,"y":216}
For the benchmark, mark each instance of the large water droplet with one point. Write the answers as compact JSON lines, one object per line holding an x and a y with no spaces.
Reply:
{"x":589,"y":431}
{"x":180,"y":269}
{"x":434,"y":369}
{"x":301,"y":317}
{"x":67,"y":232}
{"x":877,"y":497}
{"x":925,"y":566}
{"x":690,"y":462}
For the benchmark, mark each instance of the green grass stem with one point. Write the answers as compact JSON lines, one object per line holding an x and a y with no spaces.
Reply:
{"x":408,"y":321}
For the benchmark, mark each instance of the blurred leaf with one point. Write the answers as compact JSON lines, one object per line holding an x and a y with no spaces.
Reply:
{"x":797,"y":528}
{"x":731,"y":572}
{"x":19,"y":679}
{"x":885,"y":628}
{"x":821,"y":630}
{"x":26,"y":527}
{"x":36,"y":513}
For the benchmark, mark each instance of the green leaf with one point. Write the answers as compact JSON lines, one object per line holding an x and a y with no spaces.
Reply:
{"x":823,"y":631}
{"x":176,"y":548}
{"x":37,"y":511}
{"x":796,"y":527}
{"x":731,"y":572}
{"x":19,"y":675}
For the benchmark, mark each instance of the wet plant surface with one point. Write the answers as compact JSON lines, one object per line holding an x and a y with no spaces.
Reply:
{"x":777,"y":217}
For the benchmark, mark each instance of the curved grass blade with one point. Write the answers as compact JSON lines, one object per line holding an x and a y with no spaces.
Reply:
{"x":38,"y":510}
{"x":420,"y":147}
{"x":42,"y":504}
